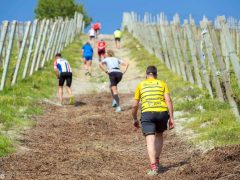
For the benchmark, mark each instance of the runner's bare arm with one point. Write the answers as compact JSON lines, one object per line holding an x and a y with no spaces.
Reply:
{"x":134,"y":112}
{"x":126,"y":64}
{"x":170,"y":109}
{"x":56,"y":73}
{"x":101,"y":65}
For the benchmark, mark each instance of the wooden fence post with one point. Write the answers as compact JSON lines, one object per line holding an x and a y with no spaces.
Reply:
{"x":208,"y":45}
{"x":193,"y":54}
{"x":56,"y":38}
{"x":37,"y":46}
{"x":233,"y":57}
{"x":224,"y":72}
{"x":8,"y":55}
{"x":187,"y":58}
{"x":2,"y":39}
{"x":158,"y":46}
{"x":20,"y":55}
{"x":49,"y":45}
{"x":164,"y":43}
{"x":64,"y":26}
{"x":42,"y":45}
{"x":30,"y":49}
{"x":197,"y":41}
{"x":175,"y":33}
{"x":64,"y":40}
{"x":174,"y":50}
{"x":59,"y":37}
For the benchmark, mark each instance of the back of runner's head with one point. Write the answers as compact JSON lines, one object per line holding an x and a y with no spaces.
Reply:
{"x":152,"y":71}
{"x":58,"y":55}
{"x":110,"y":53}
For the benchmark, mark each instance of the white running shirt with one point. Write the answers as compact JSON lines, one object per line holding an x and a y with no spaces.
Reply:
{"x":113,"y":64}
{"x":91,"y":32}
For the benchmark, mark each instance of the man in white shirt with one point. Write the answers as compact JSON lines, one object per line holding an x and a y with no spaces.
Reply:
{"x":111,"y":65}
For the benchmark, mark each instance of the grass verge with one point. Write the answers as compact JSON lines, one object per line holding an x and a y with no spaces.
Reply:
{"x":213,"y":121}
{"x":19,"y":103}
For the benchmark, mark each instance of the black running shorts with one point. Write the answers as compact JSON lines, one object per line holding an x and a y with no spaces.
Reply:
{"x":154,"y":122}
{"x":117,"y":39}
{"x":115,"y":78}
{"x":65,"y":76}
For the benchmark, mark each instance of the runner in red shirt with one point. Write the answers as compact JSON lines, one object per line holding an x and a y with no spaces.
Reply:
{"x":96,"y":26}
{"x":101,"y":49}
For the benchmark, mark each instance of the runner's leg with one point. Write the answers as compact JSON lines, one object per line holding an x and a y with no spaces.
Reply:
{"x":90,"y":66}
{"x":158,"y":145}
{"x":152,"y":150}
{"x":85,"y":65}
{"x":115,"y":94}
{"x":60,"y":93}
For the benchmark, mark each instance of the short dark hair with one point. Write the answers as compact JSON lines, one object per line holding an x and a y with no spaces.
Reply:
{"x":58,"y":55}
{"x":151,"y":70}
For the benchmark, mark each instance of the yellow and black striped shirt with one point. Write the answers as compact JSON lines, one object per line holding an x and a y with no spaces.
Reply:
{"x":151,"y":93}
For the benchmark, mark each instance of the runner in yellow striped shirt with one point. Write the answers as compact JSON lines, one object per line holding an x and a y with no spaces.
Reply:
{"x":157,"y":111}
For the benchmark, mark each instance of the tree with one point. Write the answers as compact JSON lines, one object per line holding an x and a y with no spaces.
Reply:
{"x":60,"y":8}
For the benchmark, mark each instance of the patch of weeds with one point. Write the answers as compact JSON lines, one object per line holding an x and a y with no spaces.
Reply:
{"x":5,"y":146}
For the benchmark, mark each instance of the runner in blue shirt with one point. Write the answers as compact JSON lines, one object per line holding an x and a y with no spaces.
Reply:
{"x":87,"y":51}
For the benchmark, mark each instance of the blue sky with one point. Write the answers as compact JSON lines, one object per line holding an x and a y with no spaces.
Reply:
{"x":109,"y":12}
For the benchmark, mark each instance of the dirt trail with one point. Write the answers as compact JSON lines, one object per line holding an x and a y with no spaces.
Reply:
{"x":91,"y":141}
{"x":99,"y":81}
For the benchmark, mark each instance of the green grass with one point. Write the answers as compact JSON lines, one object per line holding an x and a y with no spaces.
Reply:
{"x":19,"y":103}
{"x":5,"y":146}
{"x":213,"y":121}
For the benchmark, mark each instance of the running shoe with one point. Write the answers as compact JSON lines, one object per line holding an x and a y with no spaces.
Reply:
{"x":118,"y":109}
{"x":71,"y":100}
{"x":114,"y":103}
{"x":152,"y":172}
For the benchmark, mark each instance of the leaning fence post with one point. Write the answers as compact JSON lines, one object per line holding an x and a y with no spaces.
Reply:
{"x":2,"y":39}
{"x":224,"y":72}
{"x":54,"y":46}
{"x":197,"y":42}
{"x":209,"y":45}
{"x":165,"y":51}
{"x":30,"y":49}
{"x":49,"y":44}
{"x":8,"y":56}
{"x":28,"y":25}
{"x":193,"y":54}
{"x":233,"y":57}
{"x":175,"y":33}
{"x":37,"y":46}
{"x":42,"y":45}
{"x":186,"y":57}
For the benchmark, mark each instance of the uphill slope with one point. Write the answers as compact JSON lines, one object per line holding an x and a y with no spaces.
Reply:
{"x":91,"y":141}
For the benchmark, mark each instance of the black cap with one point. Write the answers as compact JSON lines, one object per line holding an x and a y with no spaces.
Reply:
{"x":151,"y":70}
{"x":58,"y":55}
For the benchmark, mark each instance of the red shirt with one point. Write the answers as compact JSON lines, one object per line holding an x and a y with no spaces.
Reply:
{"x":101,"y":45}
{"x":96,"y":26}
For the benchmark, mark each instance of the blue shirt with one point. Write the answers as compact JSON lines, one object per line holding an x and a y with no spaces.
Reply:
{"x":87,"y":50}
